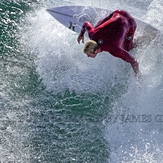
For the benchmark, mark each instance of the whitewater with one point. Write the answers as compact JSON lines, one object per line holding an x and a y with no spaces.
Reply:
{"x":80,"y":109}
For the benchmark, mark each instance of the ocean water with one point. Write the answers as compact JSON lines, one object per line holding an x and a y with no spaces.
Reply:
{"x":58,"y":106}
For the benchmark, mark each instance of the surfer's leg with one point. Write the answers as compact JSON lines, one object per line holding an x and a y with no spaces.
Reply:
{"x":128,"y":44}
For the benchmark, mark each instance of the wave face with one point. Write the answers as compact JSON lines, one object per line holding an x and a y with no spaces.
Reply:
{"x":57,"y":105}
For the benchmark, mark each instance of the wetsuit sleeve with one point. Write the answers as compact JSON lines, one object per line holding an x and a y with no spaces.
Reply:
{"x":104,"y":20}
{"x":86,"y":26}
{"x":120,"y":53}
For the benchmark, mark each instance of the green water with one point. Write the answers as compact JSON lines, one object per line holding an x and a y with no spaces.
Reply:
{"x":37,"y":125}
{"x":56,"y":104}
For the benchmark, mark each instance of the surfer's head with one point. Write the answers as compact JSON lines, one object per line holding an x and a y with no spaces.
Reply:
{"x":91,"y":48}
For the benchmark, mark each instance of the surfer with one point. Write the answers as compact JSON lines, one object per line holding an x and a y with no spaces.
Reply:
{"x":113,"y":34}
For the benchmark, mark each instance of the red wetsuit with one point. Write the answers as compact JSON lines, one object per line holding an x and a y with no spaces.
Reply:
{"x":114,"y":34}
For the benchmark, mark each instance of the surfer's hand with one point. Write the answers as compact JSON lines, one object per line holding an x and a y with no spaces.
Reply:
{"x":80,"y":38}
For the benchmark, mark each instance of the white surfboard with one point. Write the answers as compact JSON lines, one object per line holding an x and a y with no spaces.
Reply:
{"x":73,"y":18}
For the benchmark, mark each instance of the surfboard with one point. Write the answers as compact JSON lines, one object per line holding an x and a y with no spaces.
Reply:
{"x":73,"y":18}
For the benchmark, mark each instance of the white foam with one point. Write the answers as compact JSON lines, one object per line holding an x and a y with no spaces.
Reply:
{"x":62,"y":65}
{"x":141,"y":141}
{"x":154,"y":14}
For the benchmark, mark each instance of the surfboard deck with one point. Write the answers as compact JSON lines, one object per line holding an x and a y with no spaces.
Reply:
{"x":73,"y":18}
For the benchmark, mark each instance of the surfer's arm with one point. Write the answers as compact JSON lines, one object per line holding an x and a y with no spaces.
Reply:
{"x":104,"y":20}
{"x":124,"y":55}
{"x":86,"y":26}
